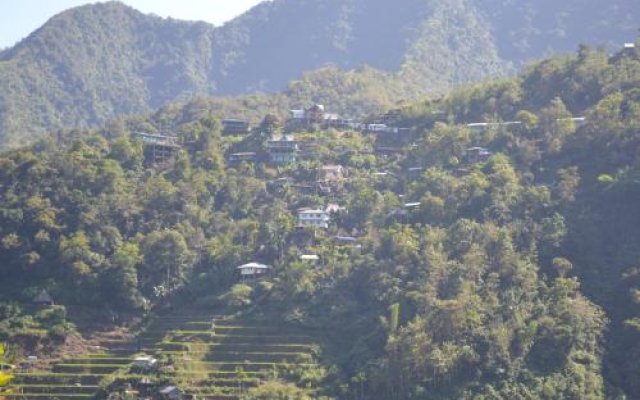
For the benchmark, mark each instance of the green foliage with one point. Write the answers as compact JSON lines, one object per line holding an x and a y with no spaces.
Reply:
{"x":5,"y":379}
{"x":275,"y":390}
{"x":238,"y":297}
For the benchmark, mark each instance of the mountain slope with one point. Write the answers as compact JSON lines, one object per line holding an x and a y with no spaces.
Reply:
{"x":91,"y":63}
{"x":95,"y":62}
{"x":528,"y":29}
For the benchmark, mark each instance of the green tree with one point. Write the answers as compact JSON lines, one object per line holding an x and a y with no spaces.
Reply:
{"x":166,"y":261}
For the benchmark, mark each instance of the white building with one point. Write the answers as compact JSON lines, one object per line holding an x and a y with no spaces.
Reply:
{"x":334,"y":208}
{"x":316,"y":218}
{"x":144,"y":362}
{"x":253,"y":269}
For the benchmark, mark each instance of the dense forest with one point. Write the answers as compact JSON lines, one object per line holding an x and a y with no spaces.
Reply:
{"x":92,"y":63}
{"x":510,"y":273}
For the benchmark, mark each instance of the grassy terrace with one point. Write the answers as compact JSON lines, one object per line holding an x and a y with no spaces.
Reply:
{"x":62,"y":396}
{"x":72,"y":378}
{"x":218,"y":365}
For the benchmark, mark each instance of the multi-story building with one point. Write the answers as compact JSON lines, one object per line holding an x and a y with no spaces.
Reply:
{"x":316,"y":218}
{"x":282,"y":150}
{"x":159,"y":149}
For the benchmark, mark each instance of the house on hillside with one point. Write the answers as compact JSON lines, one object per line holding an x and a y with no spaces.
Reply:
{"x":345,"y":240}
{"x":389,"y":118}
{"x":252,"y":270}
{"x":144,"y":363}
{"x":312,"y":258}
{"x":474,"y":155}
{"x":315,"y":116}
{"x":235,"y":127}
{"x":159,"y":150}
{"x":313,"y":217}
{"x":282,"y":149}
{"x":628,"y":50}
{"x":170,"y":393}
{"x":43,"y":299}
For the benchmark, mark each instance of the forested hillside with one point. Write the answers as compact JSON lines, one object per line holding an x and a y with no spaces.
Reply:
{"x":536,"y":28}
{"x":91,"y":63}
{"x":96,"y":62}
{"x":490,"y":251}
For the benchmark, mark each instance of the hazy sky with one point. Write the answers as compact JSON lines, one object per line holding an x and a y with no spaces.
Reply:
{"x":18,"y":18}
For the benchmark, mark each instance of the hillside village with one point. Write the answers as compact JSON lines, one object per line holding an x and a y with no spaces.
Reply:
{"x":302,"y":140}
{"x":310,"y":160}
{"x":296,"y":142}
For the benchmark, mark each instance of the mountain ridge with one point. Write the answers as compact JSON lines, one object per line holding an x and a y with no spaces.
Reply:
{"x":96,"y":62}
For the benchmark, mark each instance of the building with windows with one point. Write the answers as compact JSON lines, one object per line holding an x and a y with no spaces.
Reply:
{"x":282,"y":150}
{"x":159,"y":149}
{"x":315,"y":116}
{"x":316,"y":218}
{"x":252,"y":270}
{"x":235,"y":127}
{"x":475,"y":155}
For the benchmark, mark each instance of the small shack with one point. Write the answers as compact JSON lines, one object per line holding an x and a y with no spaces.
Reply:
{"x":144,"y":363}
{"x":345,"y":240}
{"x":44,"y":299}
{"x":170,"y":393}
{"x":253,"y":270}
{"x":475,"y":155}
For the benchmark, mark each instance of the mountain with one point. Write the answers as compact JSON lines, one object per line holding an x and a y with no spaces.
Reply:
{"x":526,"y":29}
{"x":91,"y":63}
{"x":479,"y":261}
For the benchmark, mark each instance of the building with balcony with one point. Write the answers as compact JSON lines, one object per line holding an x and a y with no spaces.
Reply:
{"x":282,"y":150}
{"x":314,"y":217}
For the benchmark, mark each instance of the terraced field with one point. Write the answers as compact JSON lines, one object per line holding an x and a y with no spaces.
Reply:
{"x":238,"y":355}
{"x":74,"y":378}
{"x":211,"y":364}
